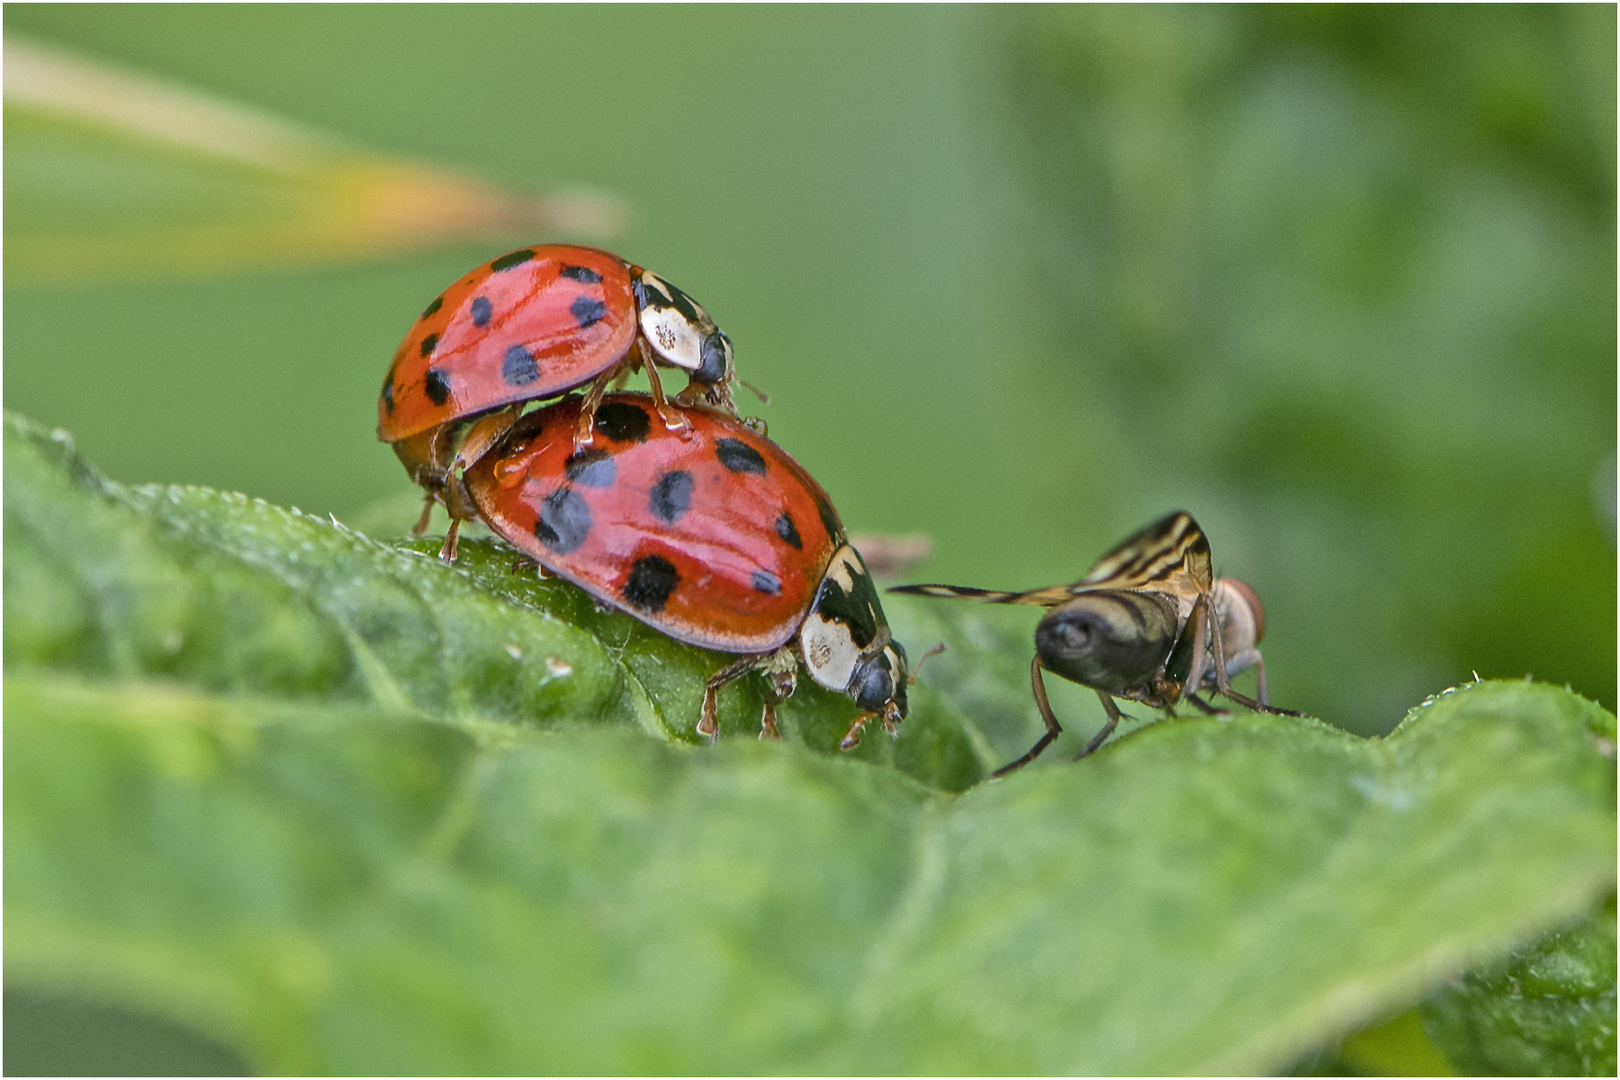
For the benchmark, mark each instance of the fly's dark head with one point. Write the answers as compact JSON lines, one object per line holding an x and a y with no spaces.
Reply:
{"x":1113,"y":641}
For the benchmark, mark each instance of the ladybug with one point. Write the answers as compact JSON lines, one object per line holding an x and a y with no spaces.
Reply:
{"x":533,"y":324}
{"x":718,"y":539}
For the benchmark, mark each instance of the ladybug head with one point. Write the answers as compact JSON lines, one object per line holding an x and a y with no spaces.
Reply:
{"x":845,"y":641}
{"x":716,"y":366}
{"x":879,"y":683}
{"x":680,"y":332}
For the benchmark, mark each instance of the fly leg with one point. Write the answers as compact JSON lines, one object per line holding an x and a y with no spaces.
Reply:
{"x":1053,"y":728}
{"x":1107,"y":729}
{"x":1223,"y":683}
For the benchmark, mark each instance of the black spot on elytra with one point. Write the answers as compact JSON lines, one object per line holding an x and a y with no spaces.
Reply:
{"x":857,"y":609}
{"x":829,"y":517}
{"x":582,"y":274}
{"x":587,"y":311}
{"x":481,"y":309}
{"x":739,"y":457}
{"x":652,"y":579}
{"x":388,"y":393}
{"x":592,"y":468}
{"x":766,"y":582}
{"x":433,"y":308}
{"x":564,"y":522}
{"x":437,"y":385}
{"x":671,"y":496}
{"x":430,"y":343}
{"x":516,"y":258}
{"x":623,"y":422}
{"x":789,"y":534}
{"x":518,"y":367}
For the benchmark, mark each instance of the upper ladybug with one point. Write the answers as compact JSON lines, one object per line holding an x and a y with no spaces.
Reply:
{"x":533,"y":324}
{"x":718,"y":539}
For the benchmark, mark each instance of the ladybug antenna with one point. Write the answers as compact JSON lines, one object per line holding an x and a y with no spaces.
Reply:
{"x":764,"y":398}
{"x":923,"y":659}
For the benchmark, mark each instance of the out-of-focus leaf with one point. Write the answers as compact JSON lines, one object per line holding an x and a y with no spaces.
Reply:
{"x":275,"y":782}
{"x":1396,"y":1047}
{"x":1342,"y":280}
{"x":1548,"y":1011}
{"x":113,"y":175}
{"x":339,"y":890}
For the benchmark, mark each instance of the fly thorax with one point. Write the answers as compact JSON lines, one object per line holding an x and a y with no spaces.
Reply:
{"x":1110,"y":640}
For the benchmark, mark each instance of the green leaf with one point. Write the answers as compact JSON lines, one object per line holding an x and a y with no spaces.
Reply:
{"x":285,"y":787}
{"x":1548,"y":1011}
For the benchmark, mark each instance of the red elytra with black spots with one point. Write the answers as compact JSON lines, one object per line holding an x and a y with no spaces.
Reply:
{"x":529,"y":325}
{"x":718,"y":538}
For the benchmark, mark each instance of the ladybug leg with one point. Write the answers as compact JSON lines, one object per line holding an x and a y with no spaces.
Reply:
{"x":784,"y":679}
{"x":707,"y":725}
{"x":488,"y":430}
{"x":717,"y":396}
{"x":673,"y":420}
{"x":460,"y":507}
{"x":584,"y":434}
{"x":426,"y":519}
{"x":447,"y":553}
{"x":891,"y":719}
{"x":852,"y":737}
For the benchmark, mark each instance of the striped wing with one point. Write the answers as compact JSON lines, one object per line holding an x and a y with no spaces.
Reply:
{"x":985,"y":596}
{"x":1170,"y":556}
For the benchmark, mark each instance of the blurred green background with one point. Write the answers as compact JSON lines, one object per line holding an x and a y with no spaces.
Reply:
{"x":1339,"y":281}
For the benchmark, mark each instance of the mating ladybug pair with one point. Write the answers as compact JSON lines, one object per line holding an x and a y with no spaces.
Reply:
{"x":688,"y":518}
{"x":676,"y":512}
{"x":532,"y":324}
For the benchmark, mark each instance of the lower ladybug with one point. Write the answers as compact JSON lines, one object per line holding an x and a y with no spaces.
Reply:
{"x":532,"y":324}
{"x":718,"y":539}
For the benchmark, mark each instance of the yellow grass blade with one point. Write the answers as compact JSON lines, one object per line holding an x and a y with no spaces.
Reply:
{"x":112,"y":175}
